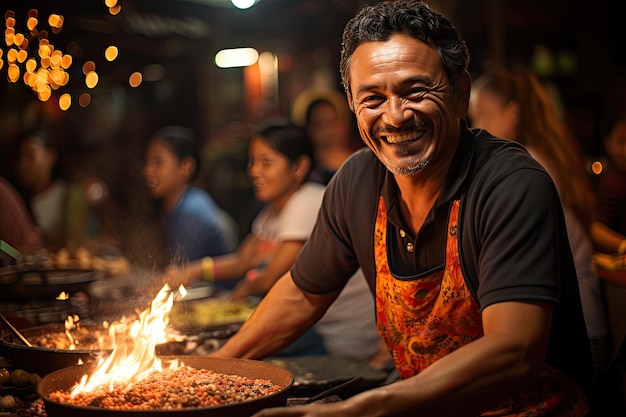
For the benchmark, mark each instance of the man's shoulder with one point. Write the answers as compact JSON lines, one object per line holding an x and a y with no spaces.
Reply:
{"x":487,"y":146}
{"x":493,"y":156}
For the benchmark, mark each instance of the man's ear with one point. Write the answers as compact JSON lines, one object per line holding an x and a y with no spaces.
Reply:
{"x":350,"y":101}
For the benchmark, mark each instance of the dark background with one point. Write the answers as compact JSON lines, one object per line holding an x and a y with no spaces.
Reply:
{"x":575,"y":47}
{"x":584,"y":40}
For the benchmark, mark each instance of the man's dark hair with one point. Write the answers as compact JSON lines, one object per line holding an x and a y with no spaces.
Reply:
{"x":378,"y":22}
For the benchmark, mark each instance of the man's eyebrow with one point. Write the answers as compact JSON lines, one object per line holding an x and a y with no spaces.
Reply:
{"x":427,"y":81}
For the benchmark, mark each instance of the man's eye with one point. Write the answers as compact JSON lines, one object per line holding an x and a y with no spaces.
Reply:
{"x":417,"y":94}
{"x":370,"y":101}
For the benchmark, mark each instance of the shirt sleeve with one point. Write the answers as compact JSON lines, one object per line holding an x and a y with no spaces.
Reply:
{"x":194,"y":229}
{"x":518,"y":256}
{"x":341,"y":241}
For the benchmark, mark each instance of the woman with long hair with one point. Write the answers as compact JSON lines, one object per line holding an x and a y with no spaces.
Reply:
{"x":516,"y":106}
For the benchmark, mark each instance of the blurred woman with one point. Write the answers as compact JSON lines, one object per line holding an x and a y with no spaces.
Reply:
{"x":326,"y":116}
{"x":58,"y":207}
{"x":516,"y":106}
{"x":192,"y":220}
{"x":280,"y":160}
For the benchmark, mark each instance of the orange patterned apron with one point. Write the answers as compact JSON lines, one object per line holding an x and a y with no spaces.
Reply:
{"x":424,"y":319}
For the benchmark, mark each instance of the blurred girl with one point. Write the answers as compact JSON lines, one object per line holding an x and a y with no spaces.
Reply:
{"x":280,"y":160}
{"x":517,"y":107}
{"x":191,"y":218}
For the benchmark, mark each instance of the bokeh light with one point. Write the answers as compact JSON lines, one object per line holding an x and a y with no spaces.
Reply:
{"x":597,"y":167}
{"x":84,"y":99}
{"x":111,"y":53}
{"x":135,"y":79}
{"x":65,"y":101}
{"x":43,"y":68}
{"x":91,"y":79}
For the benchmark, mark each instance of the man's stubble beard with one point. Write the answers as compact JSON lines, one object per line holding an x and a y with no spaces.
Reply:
{"x":407,"y":171}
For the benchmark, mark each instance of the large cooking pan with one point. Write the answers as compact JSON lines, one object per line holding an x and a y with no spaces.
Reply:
{"x":43,"y":361}
{"x":65,"y":379}
{"x":17,"y":284}
{"x":39,"y":359}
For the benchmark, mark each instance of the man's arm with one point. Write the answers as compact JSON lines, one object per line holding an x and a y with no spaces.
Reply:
{"x":464,"y":383}
{"x":280,"y":318}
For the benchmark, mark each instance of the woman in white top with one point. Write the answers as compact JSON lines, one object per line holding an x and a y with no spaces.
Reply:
{"x":280,"y":160}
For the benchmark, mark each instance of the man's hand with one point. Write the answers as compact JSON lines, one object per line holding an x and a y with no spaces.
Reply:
{"x":242,"y":290}
{"x":311,"y":410}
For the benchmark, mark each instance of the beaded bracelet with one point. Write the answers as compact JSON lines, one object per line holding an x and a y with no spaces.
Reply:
{"x":208,"y":269}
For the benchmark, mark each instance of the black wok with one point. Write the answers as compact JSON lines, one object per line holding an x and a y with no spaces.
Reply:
{"x":65,"y":379}
{"x":42,"y":360}
{"x":43,"y":284}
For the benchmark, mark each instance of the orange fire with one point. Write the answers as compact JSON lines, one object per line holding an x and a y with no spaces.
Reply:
{"x":70,"y":324}
{"x":63,"y":296}
{"x":134,"y":343}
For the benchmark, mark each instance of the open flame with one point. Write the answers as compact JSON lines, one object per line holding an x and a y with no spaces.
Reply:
{"x":70,"y":324}
{"x":63,"y":296}
{"x":134,"y":347}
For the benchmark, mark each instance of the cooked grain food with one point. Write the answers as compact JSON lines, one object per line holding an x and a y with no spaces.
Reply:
{"x":173,"y":389}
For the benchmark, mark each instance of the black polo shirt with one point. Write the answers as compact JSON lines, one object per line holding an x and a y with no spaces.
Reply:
{"x":513,"y":242}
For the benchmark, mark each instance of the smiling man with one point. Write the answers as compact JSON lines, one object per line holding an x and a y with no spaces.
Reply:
{"x":460,"y":235}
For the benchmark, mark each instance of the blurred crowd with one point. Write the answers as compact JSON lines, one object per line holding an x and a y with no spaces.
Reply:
{"x":171,"y":201}
{"x":76,"y":195}
{"x":234,"y":209}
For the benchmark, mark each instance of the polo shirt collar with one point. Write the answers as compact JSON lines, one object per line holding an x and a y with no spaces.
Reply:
{"x":453,"y":187}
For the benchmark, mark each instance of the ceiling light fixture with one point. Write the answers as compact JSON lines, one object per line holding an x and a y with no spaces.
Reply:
{"x":243,"y":4}
{"x":239,"y":57}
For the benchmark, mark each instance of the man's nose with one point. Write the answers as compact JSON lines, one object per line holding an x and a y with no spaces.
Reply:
{"x":395,"y":112}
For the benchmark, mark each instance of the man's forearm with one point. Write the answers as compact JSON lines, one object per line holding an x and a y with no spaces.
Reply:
{"x":269,"y":328}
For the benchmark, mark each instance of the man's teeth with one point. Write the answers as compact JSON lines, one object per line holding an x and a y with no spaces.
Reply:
{"x":404,"y":137}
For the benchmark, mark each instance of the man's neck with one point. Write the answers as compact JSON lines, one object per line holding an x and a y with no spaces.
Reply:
{"x":418,"y":194}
